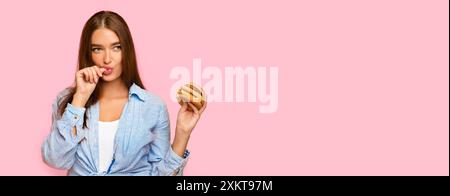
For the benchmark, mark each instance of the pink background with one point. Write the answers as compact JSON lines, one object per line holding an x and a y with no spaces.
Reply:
{"x":363,"y":85}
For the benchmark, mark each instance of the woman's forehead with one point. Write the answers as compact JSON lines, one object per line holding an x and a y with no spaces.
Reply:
{"x":104,"y":37}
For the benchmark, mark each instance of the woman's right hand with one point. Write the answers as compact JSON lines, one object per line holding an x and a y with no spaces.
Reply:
{"x":86,"y":80}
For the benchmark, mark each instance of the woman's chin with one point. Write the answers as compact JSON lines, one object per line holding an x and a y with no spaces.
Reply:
{"x":109,"y":78}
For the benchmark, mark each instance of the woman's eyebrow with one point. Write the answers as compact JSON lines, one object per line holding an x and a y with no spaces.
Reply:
{"x":99,"y":45}
{"x":96,"y":45}
{"x":115,"y":43}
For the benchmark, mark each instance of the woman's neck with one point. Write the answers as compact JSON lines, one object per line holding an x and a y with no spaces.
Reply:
{"x":113,"y":90}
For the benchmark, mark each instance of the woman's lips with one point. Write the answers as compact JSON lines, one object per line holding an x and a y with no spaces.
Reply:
{"x":107,"y":71}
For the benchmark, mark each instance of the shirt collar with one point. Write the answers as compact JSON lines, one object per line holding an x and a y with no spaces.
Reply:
{"x":138,"y":91}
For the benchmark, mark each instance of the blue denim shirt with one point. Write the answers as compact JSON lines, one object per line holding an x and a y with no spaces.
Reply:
{"x":141,"y":145}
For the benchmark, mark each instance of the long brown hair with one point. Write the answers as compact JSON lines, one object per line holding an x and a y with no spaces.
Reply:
{"x":130,"y":74}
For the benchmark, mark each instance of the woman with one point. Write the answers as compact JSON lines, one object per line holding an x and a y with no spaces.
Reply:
{"x":107,"y":124}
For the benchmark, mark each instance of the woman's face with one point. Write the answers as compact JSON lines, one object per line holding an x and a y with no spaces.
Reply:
{"x":106,"y":53}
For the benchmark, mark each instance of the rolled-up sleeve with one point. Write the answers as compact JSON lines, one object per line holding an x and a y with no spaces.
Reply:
{"x":59,"y":148}
{"x":164,"y":161}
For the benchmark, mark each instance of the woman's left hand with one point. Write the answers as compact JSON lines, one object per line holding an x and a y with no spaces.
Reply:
{"x":186,"y":119}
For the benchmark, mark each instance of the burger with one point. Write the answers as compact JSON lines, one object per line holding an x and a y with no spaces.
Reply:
{"x":191,"y":93}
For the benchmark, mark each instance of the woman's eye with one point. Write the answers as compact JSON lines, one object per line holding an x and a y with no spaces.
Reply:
{"x":117,"y":48}
{"x":96,"y":50}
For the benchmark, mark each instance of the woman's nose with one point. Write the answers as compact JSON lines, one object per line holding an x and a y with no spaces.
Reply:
{"x":107,"y":57}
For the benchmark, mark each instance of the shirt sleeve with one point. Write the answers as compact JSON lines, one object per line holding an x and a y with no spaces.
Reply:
{"x":60,"y":146}
{"x":164,"y":161}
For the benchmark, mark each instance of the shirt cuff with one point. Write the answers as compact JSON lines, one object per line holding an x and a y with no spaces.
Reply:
{"x":74,"y":117}
{"x":176,"y":162}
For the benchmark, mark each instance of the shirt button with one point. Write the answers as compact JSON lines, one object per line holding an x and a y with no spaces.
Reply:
{"x":76,"y":117}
